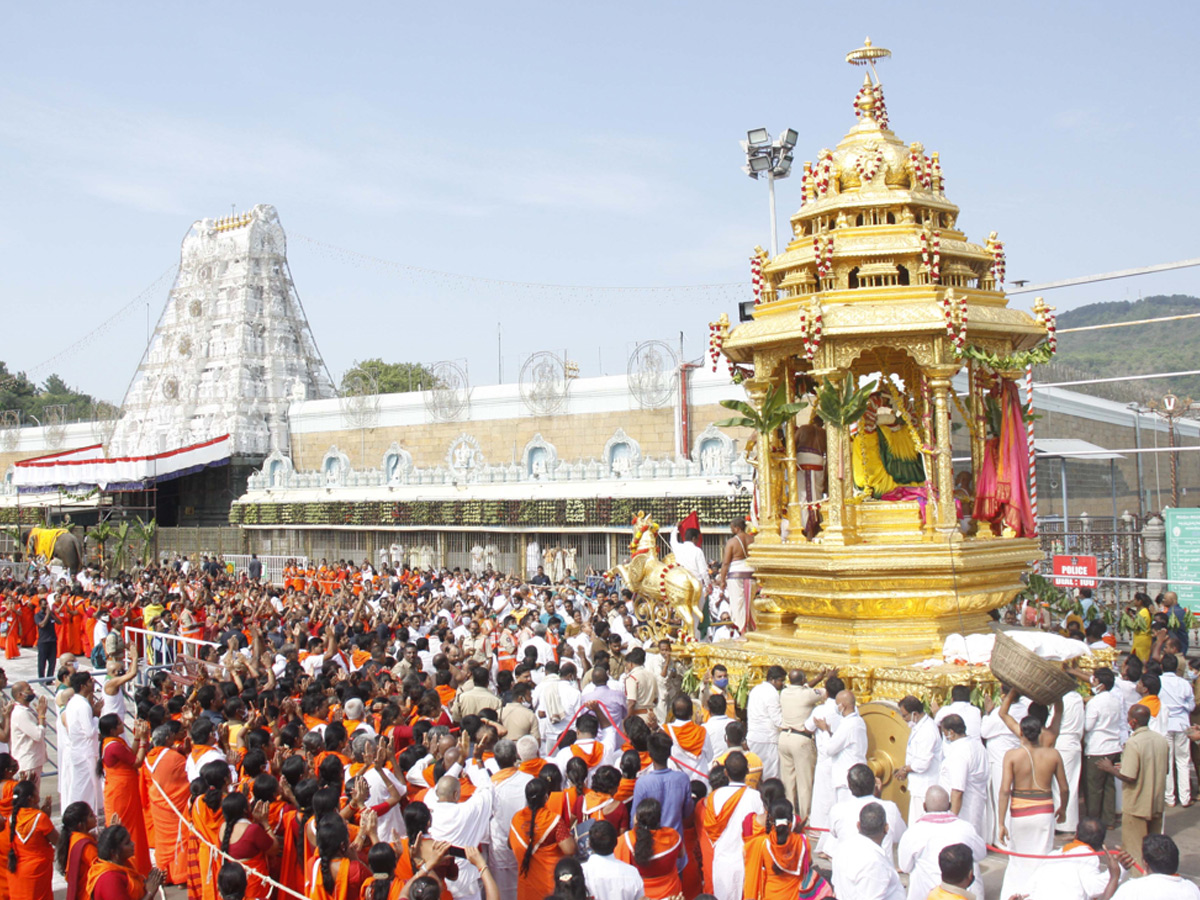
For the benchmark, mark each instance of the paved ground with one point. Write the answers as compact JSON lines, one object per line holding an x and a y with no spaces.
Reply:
{"x":1182,"y":824}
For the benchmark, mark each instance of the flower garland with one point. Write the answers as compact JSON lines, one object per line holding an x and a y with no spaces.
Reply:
{"x":908,"y":418}
{"x":756,"y":277}
{"x":881,"y":113}
{"x":1052,"y":332}
{"x":935,"y":174}
{"x":813,"y":330}
{"x":807,"y":184}
{"x":954,"y":308}
{"x":824,"y":172}
{"x":931,"y":254}
{"x":867,"y":163}
{"x":919,"y":163}
{"x":996,"y":247}
{"x":823,"y":254}
{"x":640,"y":531}
{"x":716,"y":340}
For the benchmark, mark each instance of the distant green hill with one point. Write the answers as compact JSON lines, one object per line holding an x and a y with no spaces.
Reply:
{"x":1139,"y":349}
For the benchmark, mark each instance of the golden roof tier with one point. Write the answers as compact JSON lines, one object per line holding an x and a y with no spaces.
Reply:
{"x":866,"y":550}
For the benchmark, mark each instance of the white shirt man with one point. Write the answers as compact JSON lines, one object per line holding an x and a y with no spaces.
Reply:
{"x":764,"y":718}
{"x":610,"y":879}
{"x":82,"y":750}
{"x":715,"y":726}
{"x":917,"y":852}
{"x":965,"y":710}
{"x":545,"y":653}
{"x":1178,"y":699}
{"x":922,"y":758}
{"x":27,"y":731}
{"x":555,"y":701}
{"x":847,"y":748}
{"x":843,"y":825}
{"x":1069,"y":745}
{"x":691,"y":557}
{"x":865,"y":871}
{"x":1158,"y":887}
{"x":965,"y":769}
{"x":823,"y":786}
{"x":1082,"y":878}
{"x":463,"y":823}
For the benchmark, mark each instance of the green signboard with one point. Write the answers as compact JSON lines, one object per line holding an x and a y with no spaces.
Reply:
{"x":1183,"y":555}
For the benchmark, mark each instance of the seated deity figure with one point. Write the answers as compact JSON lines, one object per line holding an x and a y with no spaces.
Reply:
{"x":885,"y":459}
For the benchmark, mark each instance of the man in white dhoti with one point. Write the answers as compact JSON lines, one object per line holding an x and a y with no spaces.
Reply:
{"x":724,"y":811}
{"x":508,"y":798}
{"x":964,"y":773}
{"x":922,"y":757}
{"x":929,"y":834}
{"x":764,"y":718}
{"x":1080,"y":874}
{"x":822,"y":796}
{"x":82,"y":750}
{"x":462,"y":823}
{"x":736,"y":577}
{"x":998,"y":740}
{"x":555,"y":701}
{"x":847,"y":743}
{"x":1027,"y":798}
{"x":1069,"y":745}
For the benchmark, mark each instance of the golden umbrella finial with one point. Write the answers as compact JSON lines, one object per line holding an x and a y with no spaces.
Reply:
{"x":866,"y":56}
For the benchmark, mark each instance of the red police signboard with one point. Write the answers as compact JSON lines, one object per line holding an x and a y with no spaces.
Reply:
{"x":1075,"y":571}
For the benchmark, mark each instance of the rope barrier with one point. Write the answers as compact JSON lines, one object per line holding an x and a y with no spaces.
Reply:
{"x":215,"y":849}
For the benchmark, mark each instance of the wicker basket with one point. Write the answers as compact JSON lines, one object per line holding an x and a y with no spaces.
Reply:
{"x":1038,"y":679}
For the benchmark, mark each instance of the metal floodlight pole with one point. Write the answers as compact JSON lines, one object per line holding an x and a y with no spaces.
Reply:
{"x":774,"y":223}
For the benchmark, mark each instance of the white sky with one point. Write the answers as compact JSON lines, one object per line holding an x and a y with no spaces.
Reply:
{"x":557,"y":143}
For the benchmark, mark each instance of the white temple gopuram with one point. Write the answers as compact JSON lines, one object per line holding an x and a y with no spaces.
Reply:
{"x":231,"y":350}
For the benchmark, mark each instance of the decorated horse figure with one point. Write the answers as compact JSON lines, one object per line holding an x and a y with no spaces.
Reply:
{"x":662,"y":584}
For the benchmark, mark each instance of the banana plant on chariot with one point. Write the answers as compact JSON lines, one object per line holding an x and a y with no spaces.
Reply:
{"x":841,"y":404}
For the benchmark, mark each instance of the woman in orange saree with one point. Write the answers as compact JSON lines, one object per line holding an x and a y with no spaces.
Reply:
{"x":12,"y":647}
{"x":34,"y":839}
{"x":779,"y":862}
{"x":8,"y":781}
{"x":208,"y":822}
{"x":248,"y":839}
{"x":113,"y":876}
{"x":539,"y":837}
{"x":336,"y":872}
{"x":122,"y":783}
{"x":654,"y":850}
{"x":77,"y":849}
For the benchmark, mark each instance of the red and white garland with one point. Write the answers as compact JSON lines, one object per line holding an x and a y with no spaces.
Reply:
{"x":867,"y":163}
{"x":823,"y":254}
{"x":807,"y":184}
{"x":716,"y":340}
{"x":1052,"y":331}
{"x":921,"y":169}
{"x":998,"y":260}
{"x":823,"y":173}
{"x":954,"y":308}
{"x":812,"y":330}
{"x":756,"y":277}
{"x":931,"y":255}
{"x":881,"y":113}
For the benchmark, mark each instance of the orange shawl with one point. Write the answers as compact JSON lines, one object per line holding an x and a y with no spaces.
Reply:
{"x":689,"y":736}
{"x":136,"y":884}
{"x":774,"y":871}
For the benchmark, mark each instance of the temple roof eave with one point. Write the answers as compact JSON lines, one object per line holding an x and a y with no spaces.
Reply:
{"x":907,"y":321}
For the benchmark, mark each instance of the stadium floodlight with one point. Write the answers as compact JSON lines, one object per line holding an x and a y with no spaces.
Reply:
{"x":770,"y":158}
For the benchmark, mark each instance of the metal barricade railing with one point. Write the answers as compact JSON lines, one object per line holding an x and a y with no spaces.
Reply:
{"x":163,"y":650}
{"x":272,"y":565}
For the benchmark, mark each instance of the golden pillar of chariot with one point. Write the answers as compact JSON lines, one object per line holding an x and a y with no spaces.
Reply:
{"x":895,"y":327}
